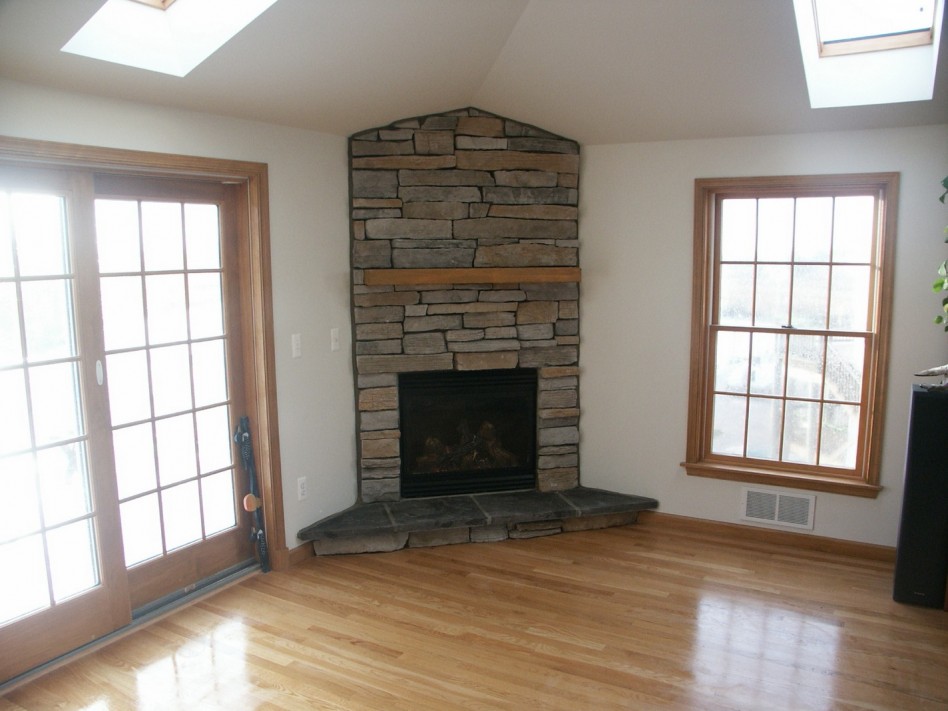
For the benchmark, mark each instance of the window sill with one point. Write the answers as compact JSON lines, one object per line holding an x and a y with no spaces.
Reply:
{"x":812,"y":482}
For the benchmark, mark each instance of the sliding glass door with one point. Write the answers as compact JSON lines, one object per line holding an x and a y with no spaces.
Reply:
{"x":120,"y":384}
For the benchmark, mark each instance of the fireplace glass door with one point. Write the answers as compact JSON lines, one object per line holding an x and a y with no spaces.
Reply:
{"x":467,"y":431}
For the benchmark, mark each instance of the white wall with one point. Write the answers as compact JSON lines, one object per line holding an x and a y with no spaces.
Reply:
{"x":309,"y":239}
{"x":636,"y":237}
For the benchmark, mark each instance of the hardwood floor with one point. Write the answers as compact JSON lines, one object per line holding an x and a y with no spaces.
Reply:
{"x":655,"y":615}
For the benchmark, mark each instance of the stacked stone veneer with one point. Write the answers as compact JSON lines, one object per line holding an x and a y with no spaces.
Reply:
{"x":458,"y":190}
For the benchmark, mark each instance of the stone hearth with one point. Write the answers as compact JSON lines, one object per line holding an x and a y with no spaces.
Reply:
{"x":474,"y":518}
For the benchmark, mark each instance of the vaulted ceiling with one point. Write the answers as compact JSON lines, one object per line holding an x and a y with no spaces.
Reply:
{"x":597,"y":71}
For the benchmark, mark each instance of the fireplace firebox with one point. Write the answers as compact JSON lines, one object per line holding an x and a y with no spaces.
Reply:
{"x":466,"y":432}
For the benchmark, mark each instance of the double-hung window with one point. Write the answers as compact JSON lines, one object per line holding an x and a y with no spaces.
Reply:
{"x":790,"y":319}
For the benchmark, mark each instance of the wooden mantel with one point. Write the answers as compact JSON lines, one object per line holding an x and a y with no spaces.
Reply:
{"x":471,"y":275}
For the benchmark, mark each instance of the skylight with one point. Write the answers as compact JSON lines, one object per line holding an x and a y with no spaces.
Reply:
{"x":861,"y":52}
{"x":160,"y":36}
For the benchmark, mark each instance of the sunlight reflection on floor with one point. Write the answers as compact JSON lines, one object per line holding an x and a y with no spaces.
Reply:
{"x":762,"y":655}
{"x":208,"y":671}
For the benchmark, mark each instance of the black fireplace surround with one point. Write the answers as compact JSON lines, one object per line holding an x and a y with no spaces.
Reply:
{"x":465,"y":432}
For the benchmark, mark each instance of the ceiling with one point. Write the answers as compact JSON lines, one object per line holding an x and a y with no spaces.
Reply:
{"x":597,"y":71}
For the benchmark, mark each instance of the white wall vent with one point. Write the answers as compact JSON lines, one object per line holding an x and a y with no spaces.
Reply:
{"x":762,"y":506}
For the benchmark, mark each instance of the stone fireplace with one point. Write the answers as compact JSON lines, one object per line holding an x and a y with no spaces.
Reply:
{"x":465,"y":309}
{"x":465,"y":257}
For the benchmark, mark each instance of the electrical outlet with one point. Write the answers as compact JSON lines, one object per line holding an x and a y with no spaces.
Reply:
{"x":296,"y":345}
{"x":302,"y":489}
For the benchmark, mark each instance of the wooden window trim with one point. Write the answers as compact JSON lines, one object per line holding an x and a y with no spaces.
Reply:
{"x":254,"y":259}
{"x":838,"y":48}
{"x":698,"y":460}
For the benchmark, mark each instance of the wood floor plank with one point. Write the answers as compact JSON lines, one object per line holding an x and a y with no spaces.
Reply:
{"x":651,"y":616}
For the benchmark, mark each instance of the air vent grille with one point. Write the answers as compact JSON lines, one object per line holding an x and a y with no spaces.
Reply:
{"x":793,"y":510}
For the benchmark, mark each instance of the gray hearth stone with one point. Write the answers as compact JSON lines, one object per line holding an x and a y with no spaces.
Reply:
{"x":484,"y":514}
{"x":436,"y":512}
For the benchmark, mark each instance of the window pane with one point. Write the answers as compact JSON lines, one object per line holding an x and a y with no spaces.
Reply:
{"x":775,"y":231}
{"x":202,"y":236}
{"x":801,"y":426}
{"x":129,"y":399}
{"x":736,"y":294}
{"x":214,"y":439}
{"x":769,"y":359}
{"x":852,"y":236}
{"x":738,"y":230}
{"x":217,"y":496}
{"x":116,"y":228}
{"x":814,"y":229}
{"x":810,"y":291}
{"x":205,"y":305}
{"x":47,"y":314}
{"x":141,"y":529}
{"x":11,"y":351}
{"x":123,"y":313}
{"x":764,"y":424}
{"x":134,"y":460}
{"x":849,"y":301}
{"x":728,"y":434}
{"x":840,"y":435}
{"x":851,"y":19}
{"x":171,"y":379}
{"x":161,"y":236}
{"x":64,"y":482}
{"x":14,"y":415}
{"x":730,"y":362}
{"x":18,"y":482}
{"x":72,"y":559}
{"x":175,"y":440}
{"x":54,"y":395}
{"x":181,"y":510}
{"x":844,"y":366}
{"x":773,"y":296}
{"x":167,"y":317}
{"x":40,"y":234}
{"x":210,"y":376}
{"x":31,"y":591}
{"x":805,"y":370}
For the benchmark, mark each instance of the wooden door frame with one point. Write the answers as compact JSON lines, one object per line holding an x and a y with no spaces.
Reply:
{"x":254,"y":259}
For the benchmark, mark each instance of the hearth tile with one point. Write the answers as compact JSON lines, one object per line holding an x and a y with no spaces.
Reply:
{"x":516,"y":506}
{"x":598,"y":501}
{"x":357,"y":520}
{"x":438,"y":512}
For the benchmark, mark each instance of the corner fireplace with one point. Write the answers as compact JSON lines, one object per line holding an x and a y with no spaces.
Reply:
{"x":467,"y":432}
{"x":465,"y":257}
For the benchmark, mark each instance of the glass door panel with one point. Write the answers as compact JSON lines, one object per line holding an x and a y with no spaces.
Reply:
{"x":170,"y":393}
{"x":44,"y":454}
{"x":51,"y":534}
